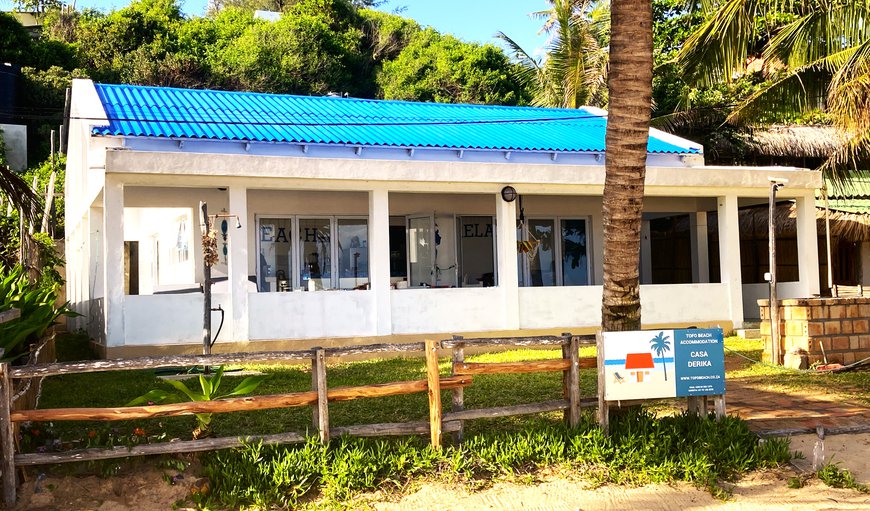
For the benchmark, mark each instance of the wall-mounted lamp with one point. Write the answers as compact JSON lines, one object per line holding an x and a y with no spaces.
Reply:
{"x":509,"y":194}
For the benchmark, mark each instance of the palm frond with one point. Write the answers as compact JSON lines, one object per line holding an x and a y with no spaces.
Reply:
{"x":19,"y":193}
{"x":720,"y":47}
{"x":799,"y":91}
{"x":849,"y":92}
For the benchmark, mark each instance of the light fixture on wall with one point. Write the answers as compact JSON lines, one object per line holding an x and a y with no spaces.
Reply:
{"x":509,"y":194}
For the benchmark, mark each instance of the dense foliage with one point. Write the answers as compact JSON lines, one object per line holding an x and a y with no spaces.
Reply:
{"x":641,"y":449}
{"x":37,"y":303}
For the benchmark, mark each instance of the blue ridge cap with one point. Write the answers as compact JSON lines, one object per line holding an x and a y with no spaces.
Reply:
{"x":145,"y":111}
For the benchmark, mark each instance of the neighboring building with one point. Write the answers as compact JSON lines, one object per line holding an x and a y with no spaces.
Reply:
{"x":361,"y":219}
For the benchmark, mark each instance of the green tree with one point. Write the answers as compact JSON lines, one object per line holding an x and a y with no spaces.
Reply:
{"x":661,"y":345}
{"x":313,"y":49}
{"x":441,"y":68}
{"x":575,"y":69}
{"x":630,"y":104}
{"x":815,"y":55}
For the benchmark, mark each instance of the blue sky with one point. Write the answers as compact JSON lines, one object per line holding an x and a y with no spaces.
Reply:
{"x":471,"y":20}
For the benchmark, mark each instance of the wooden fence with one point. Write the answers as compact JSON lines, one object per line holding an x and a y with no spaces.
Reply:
{"x":318,"y":398}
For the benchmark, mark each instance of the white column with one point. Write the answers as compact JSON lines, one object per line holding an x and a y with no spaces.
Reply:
{"x":113,"y":260}
{"x":506,"y":257}
{"x":729,"y":256}
{"x":808,"y":245}
{"x":597,"y":244}
{"x":379,"y":259}
{"x":700,"y":250}
{"x":645,"y":253}
{"x":237,"y":261}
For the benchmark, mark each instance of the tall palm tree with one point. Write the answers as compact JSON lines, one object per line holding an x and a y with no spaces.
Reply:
{"x":630,"y":104}
{"x":818,"y":59}
{"x":575,"y":69}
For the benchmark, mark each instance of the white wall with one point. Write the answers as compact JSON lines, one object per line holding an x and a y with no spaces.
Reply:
{"x":680,"y":303}
{"x":551,"y":307}
{"x":15,"y":140}
{"x":754,"y":292}
{"x":417,"y":311}
{"x":304,"y":315}
{"x":169,"y":319}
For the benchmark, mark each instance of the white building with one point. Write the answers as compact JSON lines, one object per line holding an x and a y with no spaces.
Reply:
{"x":363,"y":219}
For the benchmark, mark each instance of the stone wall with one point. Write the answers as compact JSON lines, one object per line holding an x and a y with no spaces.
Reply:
{"x":840,"y":325}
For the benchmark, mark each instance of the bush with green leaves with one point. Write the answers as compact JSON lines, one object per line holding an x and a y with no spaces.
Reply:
{"x":210,"y":390}
{"x":640,"y":449}
{"x":37,"y":302}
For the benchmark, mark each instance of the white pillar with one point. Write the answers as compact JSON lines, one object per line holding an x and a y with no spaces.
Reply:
{"x":729,"y":256}
{"x":808,"y":245}
{"x":506,"y":257}
{"x":379,"y":259}
{"x":597,"y":254}
{"x":700,"y":250}
{"x":113,"y":260}
{"x":645,"y":253}
{"x":237,"y":262}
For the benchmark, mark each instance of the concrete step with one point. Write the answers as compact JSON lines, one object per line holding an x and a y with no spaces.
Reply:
{"x":748,"y":333}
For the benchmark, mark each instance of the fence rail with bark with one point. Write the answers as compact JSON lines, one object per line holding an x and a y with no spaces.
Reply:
{"x":318,"y":398}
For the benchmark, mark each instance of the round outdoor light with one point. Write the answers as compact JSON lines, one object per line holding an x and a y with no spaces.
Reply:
{"x":509,"y":194}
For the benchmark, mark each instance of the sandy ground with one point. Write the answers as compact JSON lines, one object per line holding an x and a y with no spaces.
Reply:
{"x":145,"y":489}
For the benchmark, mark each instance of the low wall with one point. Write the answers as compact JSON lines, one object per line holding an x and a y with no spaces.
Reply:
{"x":839,"y":325}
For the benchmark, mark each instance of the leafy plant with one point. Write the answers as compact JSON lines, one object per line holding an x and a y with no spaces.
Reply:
{"x":210,"y":391}
{"x":837,"y":477}
{"x":37,"y":303}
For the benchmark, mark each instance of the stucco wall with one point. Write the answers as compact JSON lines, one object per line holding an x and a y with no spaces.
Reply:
{"x":416,"y":311}
{"x":304,"y":315}
{"x":169,"y":319}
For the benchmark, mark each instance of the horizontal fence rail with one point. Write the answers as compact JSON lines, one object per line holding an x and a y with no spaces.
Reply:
{"x":318,"y":398}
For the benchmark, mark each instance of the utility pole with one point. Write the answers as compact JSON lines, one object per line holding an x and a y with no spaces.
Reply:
{"x":775,"y":352}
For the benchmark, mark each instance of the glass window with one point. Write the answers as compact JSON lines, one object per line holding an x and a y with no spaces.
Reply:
{"x":315,"y":253}
{"x":542,"y":264}
{"x":398,"y":251}
{"x":476,"y":249}
{"x":275,"y":245}
{"x":575,"y":262}
{"x":353,"y":253}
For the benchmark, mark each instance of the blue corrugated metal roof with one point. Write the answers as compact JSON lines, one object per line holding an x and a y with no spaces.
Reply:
{"x":135,"y":110}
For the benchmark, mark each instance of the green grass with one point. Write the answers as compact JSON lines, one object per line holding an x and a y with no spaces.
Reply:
{"x":641,"y":449}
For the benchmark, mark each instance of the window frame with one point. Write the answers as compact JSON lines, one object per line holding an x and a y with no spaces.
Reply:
{"x":558,"y":248}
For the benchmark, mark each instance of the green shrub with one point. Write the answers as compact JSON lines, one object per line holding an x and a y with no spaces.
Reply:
{"x":36,"y":301}
{"x":640,"y":449}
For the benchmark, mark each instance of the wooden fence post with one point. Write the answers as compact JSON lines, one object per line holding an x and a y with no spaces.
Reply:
{"x":434,"y":384}
{"x":7,"y":437}
{"x":320,"y":411}
{"x":603,"y":410}
{"x":572,"y":380}
{"x":458,"y":393}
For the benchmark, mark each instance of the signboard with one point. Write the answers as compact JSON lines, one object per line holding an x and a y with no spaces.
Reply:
{"x":653,"y":364}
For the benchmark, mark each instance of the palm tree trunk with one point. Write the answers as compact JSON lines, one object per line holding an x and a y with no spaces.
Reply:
{"x":630,"y":87}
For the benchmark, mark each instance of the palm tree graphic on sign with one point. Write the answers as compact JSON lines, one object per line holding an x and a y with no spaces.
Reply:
{"x":660,"y":344}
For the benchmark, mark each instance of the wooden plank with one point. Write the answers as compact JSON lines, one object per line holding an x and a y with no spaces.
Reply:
{"x":531,"y":366}
{"x":392,"y":429}
{"x":9,"y":315}
{"x":603,"y":407}
{"x":179,"y":446}
{"x":844,"y":430}
{"x":7,"y":438}
{"x":544,"y":340}
{"x":506,"y":411}
{"x":235,"y":404}
{"x":319,"y":375}
{"x":418,"y":347}
{"x":140,"y":363}
{"x":573,"y":375}
{"x":434,"y":385}
{"x":458,"y":402}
